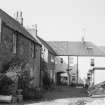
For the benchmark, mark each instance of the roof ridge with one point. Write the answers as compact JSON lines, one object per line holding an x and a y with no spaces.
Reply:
{"x":76,"y":49}
{"x":45,"y":42}
{"x":5,"y":13}
{"x":66,"y":41}
{"x":14,"y":24}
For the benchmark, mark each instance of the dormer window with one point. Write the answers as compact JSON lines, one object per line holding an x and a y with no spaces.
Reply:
{"x":89,"y":48}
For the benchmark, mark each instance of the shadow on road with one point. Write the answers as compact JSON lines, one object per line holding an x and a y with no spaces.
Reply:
{"x":61,"y":94}
{"x":65,"y":92}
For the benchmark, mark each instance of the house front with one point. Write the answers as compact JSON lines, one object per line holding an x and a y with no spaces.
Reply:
{"x":47,"y":55}
{"x":16,"y":42}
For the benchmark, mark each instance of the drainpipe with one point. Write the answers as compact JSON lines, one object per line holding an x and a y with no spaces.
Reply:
{"x":40,"y":79}
{"x":68,"y":71}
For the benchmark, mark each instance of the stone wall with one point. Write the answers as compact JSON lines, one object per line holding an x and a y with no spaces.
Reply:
{"x":23,"y":49}
{"x":51,"y":66}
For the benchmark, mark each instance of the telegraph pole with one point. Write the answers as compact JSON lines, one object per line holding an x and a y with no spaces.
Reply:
{"x":77,"y":70}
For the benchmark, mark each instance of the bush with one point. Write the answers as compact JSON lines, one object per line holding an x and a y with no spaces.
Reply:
{"x":10,"y":87}
{"x":45,"y":77}
{"x":7,"y":86}
{"x":32,"y":93}
{"x":46,"y":81}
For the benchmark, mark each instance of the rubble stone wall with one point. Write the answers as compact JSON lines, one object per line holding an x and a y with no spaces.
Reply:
{"x":23,"y":49}
{"x":51,"y":65}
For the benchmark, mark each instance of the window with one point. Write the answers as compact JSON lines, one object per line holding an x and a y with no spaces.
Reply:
{"x":33,"y":52}
{"x":0,"y":28}
{"x":61,"y":60}
{"x":52,"y":59}
{"x":73,"y":78}
{"x":14,"y":42}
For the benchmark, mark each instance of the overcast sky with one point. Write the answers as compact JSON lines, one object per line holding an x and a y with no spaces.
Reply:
{"x":62,"y":19}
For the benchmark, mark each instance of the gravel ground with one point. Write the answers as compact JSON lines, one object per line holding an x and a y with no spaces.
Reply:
{"x":72,"y":101}
{"x":67,"y":101}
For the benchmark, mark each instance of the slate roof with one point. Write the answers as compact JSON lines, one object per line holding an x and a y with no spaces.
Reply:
{"x":47,"y":45}
{"x":72,"y":48}
{"x":15,"y":25}
{"x":76,"y":48}
{"x":102,"y":48}
{"x":32,"y":31}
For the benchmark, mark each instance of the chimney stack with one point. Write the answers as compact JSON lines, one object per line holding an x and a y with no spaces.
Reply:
{"x":35,"y":29}
{"x":83,"y":40}
{"x":19,"y":17}
{"x":83,"y":35}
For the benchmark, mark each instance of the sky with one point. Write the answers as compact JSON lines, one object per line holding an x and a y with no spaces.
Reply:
{"x":62,"y":19}
{"x":67,"y":20}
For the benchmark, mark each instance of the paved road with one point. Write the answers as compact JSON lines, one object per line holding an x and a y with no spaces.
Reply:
{"x":63,"y":96}
{"x":65,"y":92}
{"x":67,"y":96}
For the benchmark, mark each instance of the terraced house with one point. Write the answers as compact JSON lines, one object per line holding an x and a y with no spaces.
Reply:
{"x":47,"y":54}
{"x":16,"y":41}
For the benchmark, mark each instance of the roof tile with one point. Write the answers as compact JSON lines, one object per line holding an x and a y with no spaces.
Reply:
{"x":76,"y":48}
{"x":12,"y":23}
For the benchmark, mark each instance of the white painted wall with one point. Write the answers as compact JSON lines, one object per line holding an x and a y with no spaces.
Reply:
{"x":99,"y":76}
{"x":84,"y":66}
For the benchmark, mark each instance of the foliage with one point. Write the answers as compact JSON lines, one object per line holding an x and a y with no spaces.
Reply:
{"x":16,"y":60}
{"x":24,"y":83}
{"x":7,"y":86}
{"x":29,"y":91}
{"x":46,"y":81}
{"x":45,"y":78}
{"x":43,"y":65}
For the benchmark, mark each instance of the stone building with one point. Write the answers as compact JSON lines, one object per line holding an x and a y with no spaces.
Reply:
{"x":16,"y":41}
{"x":47,"y":54}
{"x":49,"y":57}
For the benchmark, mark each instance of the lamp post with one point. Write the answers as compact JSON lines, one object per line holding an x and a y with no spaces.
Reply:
{"x":92,"y":62}
{"x":68,"y":72}
{"x":88,"y":78}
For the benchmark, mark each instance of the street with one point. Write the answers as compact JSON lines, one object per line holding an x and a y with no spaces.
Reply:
{"x":68,"y":96}
{"x":64,"y":96}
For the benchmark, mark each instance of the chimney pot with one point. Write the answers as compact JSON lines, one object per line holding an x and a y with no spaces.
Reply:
{"x":17,"y":14}
{"x":21,"y":14}
{"x":19,"y":17}
{"x":83,"y":40}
